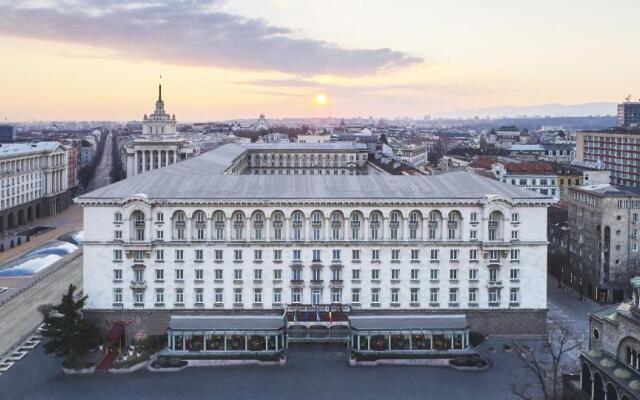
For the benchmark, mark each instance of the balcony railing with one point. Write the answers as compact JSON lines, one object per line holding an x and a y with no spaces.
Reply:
{"x":138,"y":284}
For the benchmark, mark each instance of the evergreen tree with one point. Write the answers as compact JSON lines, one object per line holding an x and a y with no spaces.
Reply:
{"x":68,"y":333}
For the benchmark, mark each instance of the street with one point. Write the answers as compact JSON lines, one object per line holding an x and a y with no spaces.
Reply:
{"x":102,"y":177}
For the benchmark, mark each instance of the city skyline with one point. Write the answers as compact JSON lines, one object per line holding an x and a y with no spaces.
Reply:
{"x":222,"y":60}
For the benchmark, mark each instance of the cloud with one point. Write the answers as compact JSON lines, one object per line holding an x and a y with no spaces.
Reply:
{"x":190,"y":32}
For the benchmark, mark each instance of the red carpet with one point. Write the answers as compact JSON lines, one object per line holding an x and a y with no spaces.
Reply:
{"x":108,"y":360}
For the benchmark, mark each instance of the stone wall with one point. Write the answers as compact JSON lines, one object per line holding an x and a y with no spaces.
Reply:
{"x":511,"y":322}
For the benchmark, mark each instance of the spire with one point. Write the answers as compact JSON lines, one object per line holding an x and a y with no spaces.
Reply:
{"x":160,"y":92}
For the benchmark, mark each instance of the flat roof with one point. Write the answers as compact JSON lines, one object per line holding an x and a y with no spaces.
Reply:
{"x":225,"y":323}
{"x":406,"y":322}
{"x":16,"y":149}
{"x":202,"y":178}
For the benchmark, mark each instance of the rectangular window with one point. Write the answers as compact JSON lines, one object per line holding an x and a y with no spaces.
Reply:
{"x":199,"y":255}
{"x":493,"y":274}
{"x":473,"y":274}
{"x":395,"y":255}
{"x":375,"y":296}
{"x":375,"y":274}
{"x":296,"y":295}
{"x":473,"y":295}
{"x":514,"y":235}
{"x":473,"y":255}
{"x":199,"y":274}
{"x":237,"y":274}
{"x":473,"y":234}
{"x":257,"y":255}
{"x":414,"y":295}
{"x":375,"y":255}
{"x":415,"y":254}
{"x":355,"y":255}
{"x":355,"y":274}
{"x":453,"y":295}
{"x":277,"y":274}
{"x":277,"y":296}
{"x":494,"y":255}
{"x":277,"y":255}
{"x":316,"y":255}
{"x":415,"y":274}
{"x":257,"y":296}
{"x":355,"y":296}
{"x":257,"y":274}
{"x":160,"y":217}
{"x":159,"y":275}
{"x":117,"y":296}
{"x":453,"y":254}
{"x":434,"y":254}
{"x":514,"y":295}
{"x":179,"y":296}
{"x":336,"y":255}
{"x":297,"y":255}
{"x":395,"y":274}
{"x":218,"y":255}
{"x":515,"y":273}
{"x":117,"y":235}
{"x":218,"y":274}
{"x":316,"y":274}
{"x":515,"y":217}
{"x":453,"y":274}
{"x":179,"y":274}
{"x":117,"y":274}
{"x":159,"y":296}
{"x":117,"y":255}
{"x":117,"y":217}
{"x":219,"y":296}
{"x":336,"y":295}
{"x":237,"y":296}
{"x":433,"y":274}
{"x":433,"y":295}
{"x":395,"y":296}
{"x":179,"y":255}
{"x":515,"y":254}
{"x":473,"y":217}
{"x":199,"y":296}
{"x":493,"y":296}
{"x":159,"y":234}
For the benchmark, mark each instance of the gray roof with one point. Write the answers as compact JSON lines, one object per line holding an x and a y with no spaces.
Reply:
{"x":201,"y":178}
{"x":607,"y":189}
{"x":398,"y":322}
{"x":14,"y":149}
{"x":225,"y":323}
{"x":306,"y":146}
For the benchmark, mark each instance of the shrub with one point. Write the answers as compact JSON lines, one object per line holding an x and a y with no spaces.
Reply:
{"x":168,"y":362}
{"x":468,"y":361}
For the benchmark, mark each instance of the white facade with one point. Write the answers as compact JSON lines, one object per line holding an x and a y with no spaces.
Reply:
{"x":30,"y":171}
{"x":160,"y":145}
{"x":205,"y":235}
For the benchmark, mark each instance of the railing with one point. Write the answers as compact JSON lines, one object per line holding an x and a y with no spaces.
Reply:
{"x":47,"y":272}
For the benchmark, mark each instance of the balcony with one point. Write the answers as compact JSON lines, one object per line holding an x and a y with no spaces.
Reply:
{"x":139,"y":224}
{"x":296,"y":224}
{"x":181,"y":224}
{"x":355,"y":223}
{"x":201,"y":224}
{"x":494,"y":284}
{"x":138,"y":285}
{"x":258,"y":224}
{"x":238,"y":225}
{"x":433,"y":224}
{"x":374,"y":224}
{"x":297,"y":282}
{"x":493,"y":224}
{"x":316,"y":282}
{"x":452,"y":224}
{"x":336,"y":283}
{"x":394,"y":224}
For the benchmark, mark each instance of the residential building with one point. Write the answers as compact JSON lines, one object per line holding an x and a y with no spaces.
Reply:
{"x":561,"y":153}
{"x":604,"y":223}
{"x":87,"y":151}
{"x":536,"y":176}
{"x":629,"y":114}
{"x":205,"y":238}
{"x":7,"y":134}
{"x":616,"y":149}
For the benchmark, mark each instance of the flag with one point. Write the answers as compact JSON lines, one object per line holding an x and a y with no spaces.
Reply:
{"x":317,"y":313}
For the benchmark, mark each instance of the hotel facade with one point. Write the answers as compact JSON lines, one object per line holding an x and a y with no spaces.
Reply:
{"x":171,"y":250}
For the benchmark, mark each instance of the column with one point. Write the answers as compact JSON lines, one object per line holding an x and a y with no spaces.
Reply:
{"x":365,"y":227}
{"x":228,"y":229}
{"x":267,"y":229}
{"x":135,"y":163}
{"x":368,"y":342}
{"x":246,"y":342}
{"x":327,"y":229}
{"x":287,"y":228}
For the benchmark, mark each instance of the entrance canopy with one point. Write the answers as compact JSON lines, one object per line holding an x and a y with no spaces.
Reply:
{"x":244,"y":323}
{"x":408,"y":322}
{"x":115,"y":333}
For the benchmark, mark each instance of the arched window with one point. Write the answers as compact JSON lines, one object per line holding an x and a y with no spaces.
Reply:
{"x":415,"y":225}
{"x":258,"y":225}
{"x":200,"y":225}
{"x":179,"y":225}
{"x":277,"y":219}
{"x":297,"y":225}
{"x":375,"y":225}
{"x":454,"y":225}
{"x":336,"y":225}
{"x":138,"y":225}
{"x":238,"y":221}
{"x":435,"y":225}
{"x":495,"y":225}
{"x":395,"y":225}
{"x":317,"y":225}
{"x":355,"y":222}
{"x":219,"y":220}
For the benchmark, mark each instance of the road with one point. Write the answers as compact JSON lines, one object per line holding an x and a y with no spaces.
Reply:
{"x":101,"y":177}
{"x":20,"y":316}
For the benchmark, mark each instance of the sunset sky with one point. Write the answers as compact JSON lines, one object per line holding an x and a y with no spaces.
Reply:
{"x":83,"y":59}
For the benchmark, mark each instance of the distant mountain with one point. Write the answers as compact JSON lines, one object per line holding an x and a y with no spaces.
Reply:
{"x":551,"y":109}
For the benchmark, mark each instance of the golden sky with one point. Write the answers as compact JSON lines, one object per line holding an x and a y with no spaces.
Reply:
{"x":86,"y":60}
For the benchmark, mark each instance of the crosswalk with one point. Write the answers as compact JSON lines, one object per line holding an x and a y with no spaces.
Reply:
{"x":21,"y":350}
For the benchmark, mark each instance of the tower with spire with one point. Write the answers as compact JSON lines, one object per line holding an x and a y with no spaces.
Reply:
{"x":159,"y":122}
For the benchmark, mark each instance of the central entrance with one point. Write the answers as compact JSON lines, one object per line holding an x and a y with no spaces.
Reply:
{"x":317,"y":323}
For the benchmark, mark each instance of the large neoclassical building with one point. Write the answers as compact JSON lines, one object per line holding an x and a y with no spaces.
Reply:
{"x":160,"y":143}
{"x":215,"y":236}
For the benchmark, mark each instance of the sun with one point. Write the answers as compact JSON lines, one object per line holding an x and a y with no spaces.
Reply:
{"x":320,"y":99}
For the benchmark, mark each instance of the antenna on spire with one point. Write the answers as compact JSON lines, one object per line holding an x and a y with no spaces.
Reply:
{"x":160,"y":89}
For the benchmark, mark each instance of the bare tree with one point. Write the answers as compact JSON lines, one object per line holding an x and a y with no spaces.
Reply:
{"x":547,"y":363}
